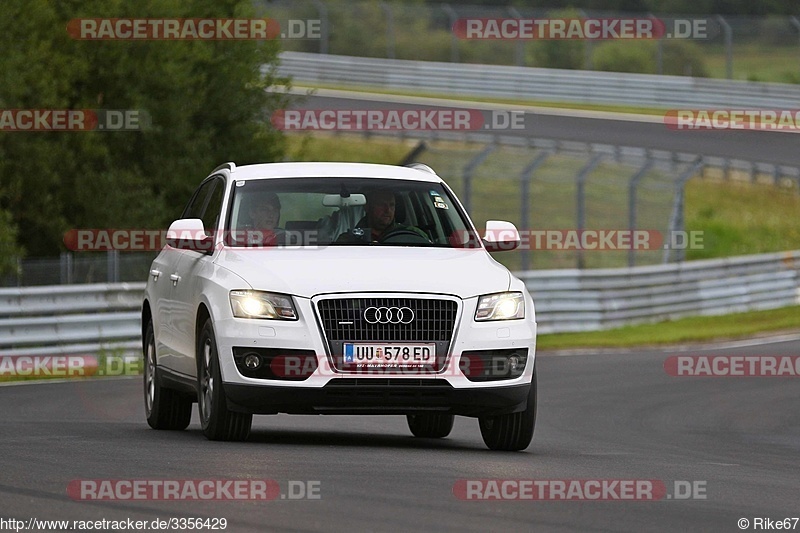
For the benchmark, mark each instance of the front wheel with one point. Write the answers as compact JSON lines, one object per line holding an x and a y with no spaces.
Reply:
{"x":512,"y":432}
{"x":217,"y":421}
{"x":430,"y":426}
{"x":164,"y":408}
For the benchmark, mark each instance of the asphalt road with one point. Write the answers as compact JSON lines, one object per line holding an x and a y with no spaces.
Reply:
{"x":602,"y":416}
{"x":755,"y":146}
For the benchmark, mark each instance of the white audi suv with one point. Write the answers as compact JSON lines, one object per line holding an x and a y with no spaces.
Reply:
{"x":337,"y":288}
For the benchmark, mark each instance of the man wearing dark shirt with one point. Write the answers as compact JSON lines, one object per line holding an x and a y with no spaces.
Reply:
{"x":379,"y":220}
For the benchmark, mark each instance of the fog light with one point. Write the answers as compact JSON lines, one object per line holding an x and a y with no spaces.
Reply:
{"x":252,"y":361}
{"x":514,"y":363}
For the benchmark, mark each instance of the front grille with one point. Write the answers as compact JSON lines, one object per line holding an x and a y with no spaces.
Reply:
{"x":343,"y":320}
{"x":429,"y":320}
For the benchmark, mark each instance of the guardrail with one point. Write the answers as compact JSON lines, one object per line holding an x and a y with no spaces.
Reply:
{"x":586,"y":300}
{"x":555,"y":85}
{"x":72,"y":319}
{"x":83,"y":319}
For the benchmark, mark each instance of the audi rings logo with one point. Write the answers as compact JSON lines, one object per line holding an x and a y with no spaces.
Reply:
{"x":388,"y":315}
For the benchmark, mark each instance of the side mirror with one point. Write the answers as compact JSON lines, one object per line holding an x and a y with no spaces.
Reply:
{"x":189,"y":234}
{"x":500,"y":236}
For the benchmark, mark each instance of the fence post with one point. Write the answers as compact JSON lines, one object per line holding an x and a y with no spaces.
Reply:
{"x":112,"y":266}
{"x":453,"y":17}
{"x":676,"y":221}
{"x":66,"y":268}
{"x":414,"y":154}
{"x":580,"y":199}
{"x":660,"y":57}
{"x":324,"y":40}
{"x":468,"y":171}
{"x":726,"y":28}
{"x":588,"y":49}
{"x":389,"y":29}
{"x":525,"y":217}
{"x":632,"y":185}
{"x":519,"y":51}
{"x":796,"y":23}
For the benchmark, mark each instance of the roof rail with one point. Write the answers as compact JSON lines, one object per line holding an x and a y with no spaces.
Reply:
{"x":229,"y":166}
{"x":421,"y":166}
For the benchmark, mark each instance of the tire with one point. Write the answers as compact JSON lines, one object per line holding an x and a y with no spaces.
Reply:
{"x":217,"y":421}
{"x":512,"y":432}
{"x":430,"y":426}
{"x":164,"y":408}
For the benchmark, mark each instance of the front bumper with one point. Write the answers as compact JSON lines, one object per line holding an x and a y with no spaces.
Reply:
{"x":378,"y":396}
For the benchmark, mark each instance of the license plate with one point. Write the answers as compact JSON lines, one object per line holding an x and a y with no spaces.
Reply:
{"x":390,"y":355}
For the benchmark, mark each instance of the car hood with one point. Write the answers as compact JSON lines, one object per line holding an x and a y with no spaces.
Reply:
{"x":308,"y":272}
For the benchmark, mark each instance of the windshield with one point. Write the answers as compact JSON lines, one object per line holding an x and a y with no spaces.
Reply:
{"x":345,"y":212}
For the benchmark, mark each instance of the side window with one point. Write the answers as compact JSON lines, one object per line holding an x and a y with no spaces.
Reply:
{"x":194,"y":208}
{"x":206,"y":204}
{"x":213,"y":206}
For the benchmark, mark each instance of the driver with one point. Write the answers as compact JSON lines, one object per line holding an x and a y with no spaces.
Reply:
{"x":380,"y":213}
{"x":380,"y":217}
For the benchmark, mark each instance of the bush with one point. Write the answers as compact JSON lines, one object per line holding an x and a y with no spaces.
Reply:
{"x":559,"y":54}
{"x":622,"y":56}
{"x":680,"y":58}
{"x":684,"y":58}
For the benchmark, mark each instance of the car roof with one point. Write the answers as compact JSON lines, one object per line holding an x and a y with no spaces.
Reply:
{"x":327,"y":169}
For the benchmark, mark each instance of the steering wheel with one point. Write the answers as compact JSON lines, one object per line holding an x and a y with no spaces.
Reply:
{"x":403,"y":234}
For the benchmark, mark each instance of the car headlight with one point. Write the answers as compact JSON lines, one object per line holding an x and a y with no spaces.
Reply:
{"x":257,"y":304}
{"x":500,"y":306}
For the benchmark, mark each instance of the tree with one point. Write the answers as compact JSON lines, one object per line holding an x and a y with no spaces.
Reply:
{"x":206,"y":100}
{"x":9,"y":250}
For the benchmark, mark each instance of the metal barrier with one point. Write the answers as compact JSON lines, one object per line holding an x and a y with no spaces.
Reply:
{"x":82,"y":319}
{"x":587,"y":300}
{"x":555,"y":85}
{"x":71,"y":319}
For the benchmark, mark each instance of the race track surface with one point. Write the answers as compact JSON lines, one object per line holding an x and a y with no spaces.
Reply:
{"x":602,"y":416}
{"x":755,"y":146}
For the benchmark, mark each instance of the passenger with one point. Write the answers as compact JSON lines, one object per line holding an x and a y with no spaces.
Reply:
{"x":265,"y":213}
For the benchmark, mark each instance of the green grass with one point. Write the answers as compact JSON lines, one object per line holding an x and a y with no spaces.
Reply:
{"x":510,"y":101}
{"x":756,"y":62}
{"x":741,"y":218}
{"x":684,"y":330}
